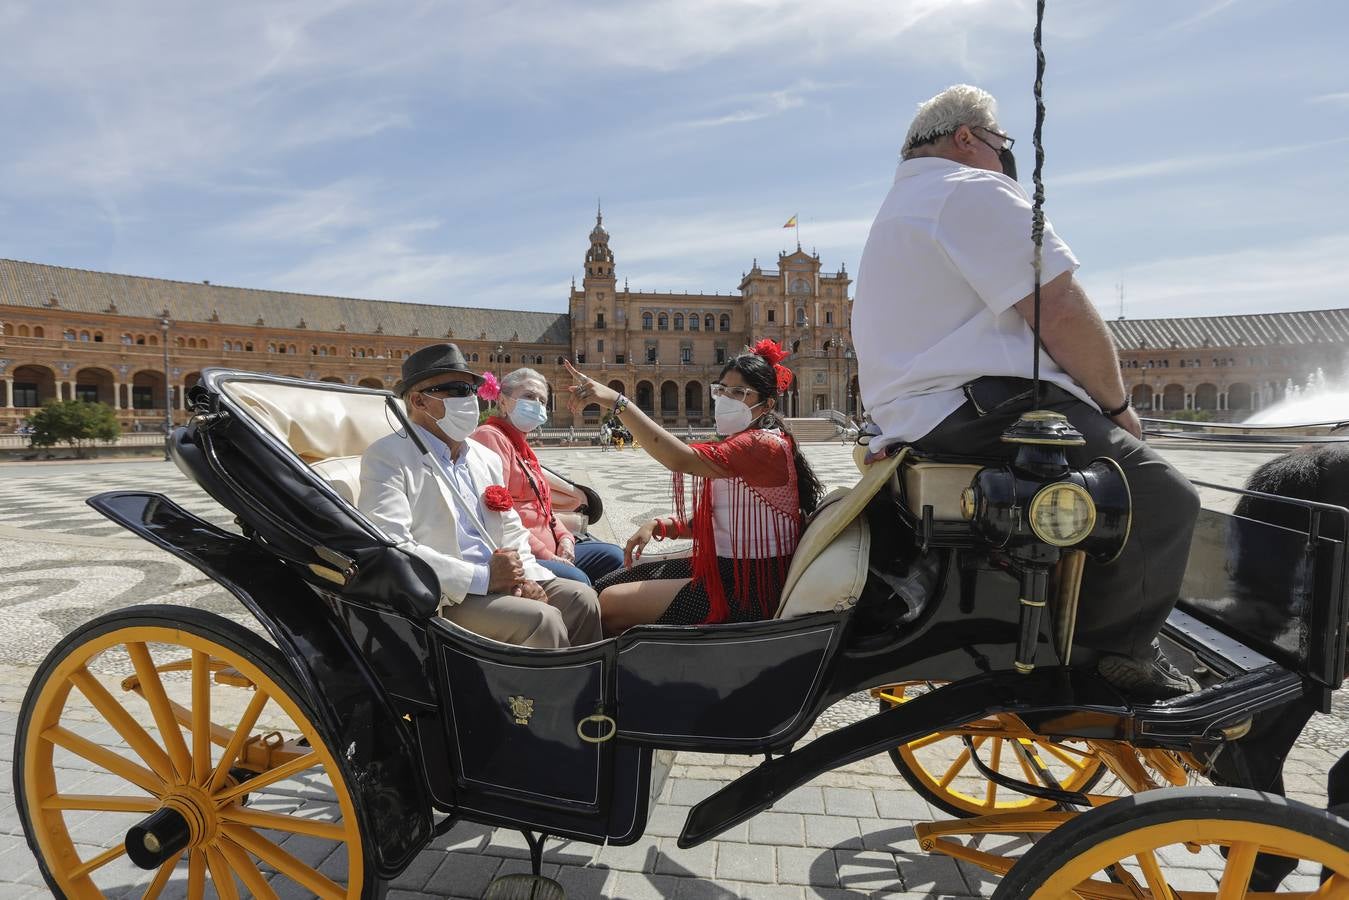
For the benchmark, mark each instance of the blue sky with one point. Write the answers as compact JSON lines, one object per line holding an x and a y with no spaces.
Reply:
{"x":453,"y":152}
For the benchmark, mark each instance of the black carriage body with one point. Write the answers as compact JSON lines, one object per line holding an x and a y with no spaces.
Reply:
{"x":498,"y":734}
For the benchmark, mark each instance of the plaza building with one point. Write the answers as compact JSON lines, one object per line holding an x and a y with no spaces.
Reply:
{"x":138,"y":343}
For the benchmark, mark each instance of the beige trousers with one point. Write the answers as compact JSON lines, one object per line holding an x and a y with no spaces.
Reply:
{"x":570,"y":618}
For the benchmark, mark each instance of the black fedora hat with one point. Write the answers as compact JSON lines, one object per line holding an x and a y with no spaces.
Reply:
{"x":437,"y":359}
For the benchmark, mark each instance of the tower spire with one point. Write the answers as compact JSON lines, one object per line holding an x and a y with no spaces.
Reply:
{"x":599,"y":212}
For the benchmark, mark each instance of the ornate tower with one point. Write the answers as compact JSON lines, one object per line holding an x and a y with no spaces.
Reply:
{"x":599,"y":258}
{"x":594,"y":308}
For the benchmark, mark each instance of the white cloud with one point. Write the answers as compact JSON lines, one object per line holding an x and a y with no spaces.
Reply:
{"x":1181,"y":165}
{"x":306,"y":217}
{"x":1337,"y":99}
{"x":1308,"y":274}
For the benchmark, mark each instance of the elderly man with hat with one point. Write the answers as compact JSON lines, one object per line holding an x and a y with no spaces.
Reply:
{"x":443,"y":501}
{"x":940,"y":322}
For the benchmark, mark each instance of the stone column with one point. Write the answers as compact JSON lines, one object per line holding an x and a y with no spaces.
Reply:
{"x":679,"y":401}
{"x":69,"y":390}
{"x":117,"y":395}
{"x":9,"y":392}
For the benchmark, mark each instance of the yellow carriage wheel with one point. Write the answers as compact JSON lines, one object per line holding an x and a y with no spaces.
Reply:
{"x":183,"y":737}
{"x":940,"y":768}
{"x":1189,"y":844}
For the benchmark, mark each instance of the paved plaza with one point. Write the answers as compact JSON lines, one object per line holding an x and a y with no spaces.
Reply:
{"x":848,"y":833}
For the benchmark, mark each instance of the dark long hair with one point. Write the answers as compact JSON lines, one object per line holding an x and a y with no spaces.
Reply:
{"x":762,"y":379}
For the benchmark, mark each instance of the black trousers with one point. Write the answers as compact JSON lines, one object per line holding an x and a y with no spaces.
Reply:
{"x":1124,"y":604}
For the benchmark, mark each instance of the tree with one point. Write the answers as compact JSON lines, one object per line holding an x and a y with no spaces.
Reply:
{"x":75,"y":422}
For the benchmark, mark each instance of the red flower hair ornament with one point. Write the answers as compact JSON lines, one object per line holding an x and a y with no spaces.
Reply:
{"x":773,"y":354}
{"x":490,"y":389}
{"x":497,"y":498}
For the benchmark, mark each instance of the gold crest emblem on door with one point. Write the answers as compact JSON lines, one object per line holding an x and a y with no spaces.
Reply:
{"x":522,"y":708}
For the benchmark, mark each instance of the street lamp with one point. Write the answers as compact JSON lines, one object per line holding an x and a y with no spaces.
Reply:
{"x":168,"y":388}
{"x":500,"y":350}
{"x":847,"y":385}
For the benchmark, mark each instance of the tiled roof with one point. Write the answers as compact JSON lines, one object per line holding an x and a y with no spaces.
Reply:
{"x":1318,"y":326}
{"x":33,"y":285}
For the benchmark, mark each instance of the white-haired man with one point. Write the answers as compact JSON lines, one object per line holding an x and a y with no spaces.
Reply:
{"x":941,"y":327}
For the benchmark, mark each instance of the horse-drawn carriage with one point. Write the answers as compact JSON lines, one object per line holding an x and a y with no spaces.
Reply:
{"x":368,"y":725}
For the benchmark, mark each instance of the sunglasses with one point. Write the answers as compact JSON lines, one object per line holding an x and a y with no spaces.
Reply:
{"x":451,"y":389}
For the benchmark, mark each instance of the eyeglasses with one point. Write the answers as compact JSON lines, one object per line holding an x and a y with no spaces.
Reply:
{"x":452,"y":389}
{"x":1006,"y":144}
{"x":735,"y":393}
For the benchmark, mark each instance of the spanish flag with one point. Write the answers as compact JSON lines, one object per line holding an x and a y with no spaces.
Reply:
{"x":791,"y":223}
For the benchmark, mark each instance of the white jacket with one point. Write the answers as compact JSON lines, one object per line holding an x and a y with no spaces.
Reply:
{"x":402,"y":493}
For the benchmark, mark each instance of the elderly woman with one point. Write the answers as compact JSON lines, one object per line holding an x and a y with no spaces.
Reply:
{"x":524,"y":407}
{"x":749,"y":494}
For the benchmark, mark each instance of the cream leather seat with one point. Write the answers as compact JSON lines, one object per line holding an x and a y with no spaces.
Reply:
{"x":829,"y":568}
{"x":328,"y":429}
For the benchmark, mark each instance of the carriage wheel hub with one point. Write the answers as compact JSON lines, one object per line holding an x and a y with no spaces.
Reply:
{"x":186,"y":818}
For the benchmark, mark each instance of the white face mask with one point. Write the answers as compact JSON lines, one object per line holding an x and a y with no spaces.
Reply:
{"x":461,"y":417}
{"x":528,"y":414}
{"x":732,"y":416}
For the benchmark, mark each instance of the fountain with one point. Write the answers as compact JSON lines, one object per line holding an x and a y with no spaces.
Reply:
{"x":1321,"y":400}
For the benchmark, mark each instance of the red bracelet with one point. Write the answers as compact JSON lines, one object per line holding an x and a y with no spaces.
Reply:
{"x":658,"y":532}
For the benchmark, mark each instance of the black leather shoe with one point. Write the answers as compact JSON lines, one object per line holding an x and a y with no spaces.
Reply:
{"x":1146,"y":678}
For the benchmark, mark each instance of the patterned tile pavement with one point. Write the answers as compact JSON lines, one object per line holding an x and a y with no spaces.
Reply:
{"x":848,"y":833}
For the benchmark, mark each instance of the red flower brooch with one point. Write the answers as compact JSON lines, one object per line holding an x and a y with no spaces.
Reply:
{"x":497,"y":498}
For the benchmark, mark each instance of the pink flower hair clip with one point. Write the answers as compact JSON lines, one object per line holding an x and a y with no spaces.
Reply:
{"x":490,"y":388}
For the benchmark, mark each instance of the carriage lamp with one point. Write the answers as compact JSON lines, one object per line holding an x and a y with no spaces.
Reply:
{"x":1039,"y":505}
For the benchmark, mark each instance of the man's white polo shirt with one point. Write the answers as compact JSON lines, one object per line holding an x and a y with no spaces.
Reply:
{"x":949,"y":254}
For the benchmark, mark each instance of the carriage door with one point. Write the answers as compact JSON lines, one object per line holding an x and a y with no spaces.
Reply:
{"x":528,"y":726}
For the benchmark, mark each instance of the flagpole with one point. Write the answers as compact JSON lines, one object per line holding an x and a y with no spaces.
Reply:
{"x":798,"y":231}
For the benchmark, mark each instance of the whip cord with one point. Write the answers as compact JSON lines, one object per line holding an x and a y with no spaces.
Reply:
{"x":1037,"y":214}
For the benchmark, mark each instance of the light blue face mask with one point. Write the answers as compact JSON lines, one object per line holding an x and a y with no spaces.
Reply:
{"x":527,"y":415}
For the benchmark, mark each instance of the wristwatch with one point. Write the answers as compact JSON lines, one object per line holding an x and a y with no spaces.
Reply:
{"x":1111,"y":413}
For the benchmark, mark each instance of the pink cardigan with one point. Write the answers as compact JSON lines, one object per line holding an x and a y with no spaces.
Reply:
{"x":544,"y":536}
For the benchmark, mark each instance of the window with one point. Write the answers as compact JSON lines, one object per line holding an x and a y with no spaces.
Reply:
{"x":25,"y":393}
{"x":580,"y":359}
{"x":126,"y":339}
{"x":620,"y":358}
{"x":828,"y":317}
{"x":662,"y":322}
{"x":709,"y":323}
{"x":599,"y":346}
{"x":679,"y":322}
{"x":98,"y":337}
{"x":599,"y":320}
{"x":721,"y":356}
{"x":248,"y":348}
{"x":474,"y":358}
{"x":646,"y":321}
{"x":650,"y":354}
{"x":86,"y":392}
{"x":725,"y":322}
{"x":23,"y":331}
{"x":772,"y":315}
{"x":84,"y":335}
{"x":142,"y":398}
{"x":227,"y":346}
{"x":693,"y":322}
{"x":686,"y":355}
{"x":800,"y":315}
{"x":68,"y":334}
{"x":39,"y":331}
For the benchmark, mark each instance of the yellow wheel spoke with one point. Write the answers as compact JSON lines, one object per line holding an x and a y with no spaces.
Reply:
{"x":196,"y":875}
{"x":927,"y":741}
{"x":115,"y":763}
{"x":331,"y":831}
{"x":283,"y":862}
{"x":201,"y":717}
{"x":961,"y":760}
{"x":247,"y":872}
{"x":221,"y":876}
{"x":116,"y":715}
{"x":991,"y":792}
{"x":97,"y":862}
{"x":1152,"y":873}
{"x":101,"y":803}
{"x":1237,"y":874}
{"x":1065,"y":756}
{"x":153,"y":691}
{"x":241,"y":734}
{"x":162,"y":877}
{"x":271,"y":776}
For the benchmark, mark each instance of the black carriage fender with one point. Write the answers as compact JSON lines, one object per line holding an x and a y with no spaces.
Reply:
{"x":1056,"y":693}
{"x":381,"y":761}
